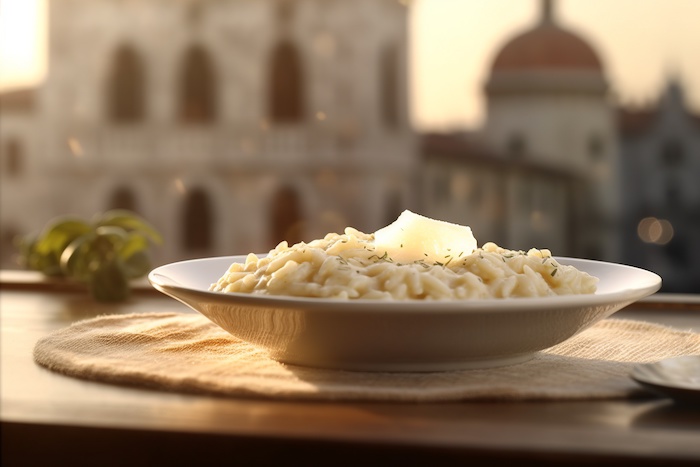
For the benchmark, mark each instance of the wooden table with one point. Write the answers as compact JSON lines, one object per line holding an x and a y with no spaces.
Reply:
{"x":49,"y":419}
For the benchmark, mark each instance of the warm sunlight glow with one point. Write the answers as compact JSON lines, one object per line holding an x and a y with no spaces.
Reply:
{"x":452,"y":44}
{"x":180,"y":186}
{"x":75,"y":147}
{"x":22,"y":42}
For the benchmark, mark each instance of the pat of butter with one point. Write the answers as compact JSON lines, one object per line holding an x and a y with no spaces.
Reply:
{"x":413,"y":237}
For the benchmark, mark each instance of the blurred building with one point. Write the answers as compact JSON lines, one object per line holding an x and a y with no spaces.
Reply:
{"x":660,"y":149}
{"x":543,"y":172}
{"x":235,"y":124}
{"x":18,"y":139}
{"x":229,"y":125}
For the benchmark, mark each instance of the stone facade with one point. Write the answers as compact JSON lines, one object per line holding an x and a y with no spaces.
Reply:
{"x":230,"y":125}
{"x":660,"y":149}
{"x":543,"y":171}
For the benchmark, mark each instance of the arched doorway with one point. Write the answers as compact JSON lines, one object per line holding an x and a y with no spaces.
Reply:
{"x":125,"y":87}
{"x":197,"y":221}
{"x":285,"y":217}
{"x":197,"y":87}
{"x":286,"y":85}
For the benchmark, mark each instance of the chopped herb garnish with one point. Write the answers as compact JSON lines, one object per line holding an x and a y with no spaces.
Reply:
{"x":384,"y":257}
{"x":422,"y":263}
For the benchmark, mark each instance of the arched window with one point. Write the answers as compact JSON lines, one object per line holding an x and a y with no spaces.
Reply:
{"x":8,"y":237}
{"x":286,"y":218}
{"x":286,"y":92}
{"x":197,"y":87}
{"x":517,"y":146}
{"x":389,"y":90}
{"x":674,"y":190}
{"x":596,"y":148}
{"x":441,"y":187}
{"x":672,"y":153}
{"x":125,"y":88}
{"x":123,"y":198}
{"x":197,"y":222}
{"x":393,"y":207}
{"x":13,"y":158}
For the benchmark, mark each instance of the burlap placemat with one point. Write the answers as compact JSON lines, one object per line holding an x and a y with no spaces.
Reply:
{"x":185,"y":352}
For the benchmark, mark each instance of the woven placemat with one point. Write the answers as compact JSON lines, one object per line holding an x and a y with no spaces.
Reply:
{"x":185,"y":352}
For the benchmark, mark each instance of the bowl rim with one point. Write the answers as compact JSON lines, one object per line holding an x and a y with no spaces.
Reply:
{"x":169,"y":286}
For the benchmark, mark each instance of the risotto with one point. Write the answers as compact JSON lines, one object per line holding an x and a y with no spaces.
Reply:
{"x":353,"y":266}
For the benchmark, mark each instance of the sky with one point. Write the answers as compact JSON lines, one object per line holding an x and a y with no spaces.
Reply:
{"x":453,"y":42}
{"x":641,"y":43}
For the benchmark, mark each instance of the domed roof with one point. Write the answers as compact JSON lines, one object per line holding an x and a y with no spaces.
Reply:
{"x":547,"y":47}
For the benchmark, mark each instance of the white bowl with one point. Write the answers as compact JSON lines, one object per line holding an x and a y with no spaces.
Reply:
{"x":369,"y":335}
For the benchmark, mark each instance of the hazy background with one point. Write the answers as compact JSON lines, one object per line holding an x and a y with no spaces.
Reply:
{"x":453,"y":41}
{"x":234,"y":125}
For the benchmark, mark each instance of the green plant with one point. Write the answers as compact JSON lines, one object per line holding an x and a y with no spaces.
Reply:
{"x":105,"y":254}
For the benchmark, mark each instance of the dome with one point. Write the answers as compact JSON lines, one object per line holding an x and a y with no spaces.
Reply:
{"x":547,"y":47}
